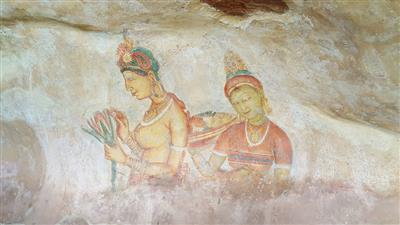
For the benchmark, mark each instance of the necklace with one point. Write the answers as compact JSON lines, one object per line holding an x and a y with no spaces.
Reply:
{"x":157,"y":112}
{"x":249,"y":140}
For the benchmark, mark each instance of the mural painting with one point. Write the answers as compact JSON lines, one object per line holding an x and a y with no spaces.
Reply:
{"x":204,"y":111}
{"x":167,"y":145}
{"x":157,"y":143}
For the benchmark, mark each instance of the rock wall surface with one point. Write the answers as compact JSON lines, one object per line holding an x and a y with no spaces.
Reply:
{"x":329,"y":68}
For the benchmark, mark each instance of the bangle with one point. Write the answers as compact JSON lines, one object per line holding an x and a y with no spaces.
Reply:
{"x":131,"y":142}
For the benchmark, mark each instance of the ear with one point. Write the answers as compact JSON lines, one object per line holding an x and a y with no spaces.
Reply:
{"x":266,"y":106}
{"x":152,"y":76}
{"x":261,"y":95}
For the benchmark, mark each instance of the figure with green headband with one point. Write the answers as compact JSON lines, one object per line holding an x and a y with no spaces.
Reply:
{"x":161,"y":137}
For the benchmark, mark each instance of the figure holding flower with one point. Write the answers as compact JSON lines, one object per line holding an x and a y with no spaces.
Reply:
{"x":161,"y":137}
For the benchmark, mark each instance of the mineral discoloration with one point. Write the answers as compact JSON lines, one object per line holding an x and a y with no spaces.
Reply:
{"x":242,"y":8}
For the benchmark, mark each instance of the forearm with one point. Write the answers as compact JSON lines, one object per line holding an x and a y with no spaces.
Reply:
{"x":205,"y":169}
{"x":133,"y":145}
{"x":204,"y":166}
{"x":175,"y":158}
{"x":159,"y":169}
{"x":150,"y":169}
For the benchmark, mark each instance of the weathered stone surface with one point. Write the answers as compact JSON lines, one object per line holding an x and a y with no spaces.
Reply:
{"x":23,"y":166}
{"x":329,"y":68}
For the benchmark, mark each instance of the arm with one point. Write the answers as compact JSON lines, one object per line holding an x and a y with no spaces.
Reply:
{"x":116,"y":153}
{"x":133,"y":145}
{"x":179,"y":128}
{"x":283,"y":158}
{"x":208,"y":167}
{"x":122,"y":130}
{"x":149,"y":169}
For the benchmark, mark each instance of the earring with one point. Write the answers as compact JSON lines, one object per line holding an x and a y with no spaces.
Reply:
{"x":267,"y":108}
{"x":153,"y":89}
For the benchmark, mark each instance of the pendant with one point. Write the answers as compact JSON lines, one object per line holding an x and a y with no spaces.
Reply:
{"x":254,"y":137}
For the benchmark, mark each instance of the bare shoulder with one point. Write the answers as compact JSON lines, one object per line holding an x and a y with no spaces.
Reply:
{"x":177,"y":111}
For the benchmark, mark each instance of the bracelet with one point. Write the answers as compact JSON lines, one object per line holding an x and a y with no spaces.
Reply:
{"x":282,"y":166}
{"x":131,"y":142}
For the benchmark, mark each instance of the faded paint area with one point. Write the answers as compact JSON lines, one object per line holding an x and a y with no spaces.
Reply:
{"x":331,"y":76}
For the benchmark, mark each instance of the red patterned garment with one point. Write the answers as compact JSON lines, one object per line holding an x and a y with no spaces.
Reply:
{"x":273,"y":148}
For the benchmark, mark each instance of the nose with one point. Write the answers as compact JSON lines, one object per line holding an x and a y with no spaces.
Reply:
{"x":127,"y":87}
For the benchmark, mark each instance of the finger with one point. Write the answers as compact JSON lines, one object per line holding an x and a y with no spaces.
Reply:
{"x":111,"y":112}
{"x":118,"y":115}
{"x":118,"y":120}
{"x":122,"y":120}
{"x":107,"y":152}
{"x":119,"y":141}
{"x":121,"y":116}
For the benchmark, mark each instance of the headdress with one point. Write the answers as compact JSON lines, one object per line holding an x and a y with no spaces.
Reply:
{"x":237,"y":75}
{"x":136,"y":59}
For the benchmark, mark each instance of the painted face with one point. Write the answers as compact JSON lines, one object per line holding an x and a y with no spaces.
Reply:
{"x":139,"y":86}
{"x":247,"y":102}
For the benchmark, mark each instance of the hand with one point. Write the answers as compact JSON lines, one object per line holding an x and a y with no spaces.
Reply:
{"x":239,"y":175}
{"x":122,"y":124}
{"x":281,"y":181}
{"x":115,"y":153}
{"x":281,"y":176}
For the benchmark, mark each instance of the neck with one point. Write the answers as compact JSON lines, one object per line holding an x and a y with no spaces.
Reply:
{"x":160,"y":96}
{"x":257,"y":120}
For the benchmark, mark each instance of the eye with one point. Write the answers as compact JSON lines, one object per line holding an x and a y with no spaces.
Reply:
{"x":245,"y":99}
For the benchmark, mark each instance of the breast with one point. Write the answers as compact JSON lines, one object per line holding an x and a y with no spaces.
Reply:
{"x":153,"y":136}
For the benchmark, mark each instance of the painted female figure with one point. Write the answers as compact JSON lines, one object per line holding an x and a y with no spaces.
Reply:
{"x":255,"y":146}
{"x":161,"y":136}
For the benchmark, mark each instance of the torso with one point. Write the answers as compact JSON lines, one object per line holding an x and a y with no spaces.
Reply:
{"x":242,"y":151}
{"x":154,"y":136}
